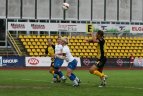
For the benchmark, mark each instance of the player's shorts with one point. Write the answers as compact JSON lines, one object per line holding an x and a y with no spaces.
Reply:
{"x":58,"y":62}
{"x":102,"y":62}
{"x":72,"y":65}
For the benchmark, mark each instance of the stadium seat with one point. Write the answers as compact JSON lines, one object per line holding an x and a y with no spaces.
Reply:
{"x":20,"y":36}
{"x":25,"y":43}
{"x":33,"y":50}
{"x":36,"y":46}
{"x":28,"y":50}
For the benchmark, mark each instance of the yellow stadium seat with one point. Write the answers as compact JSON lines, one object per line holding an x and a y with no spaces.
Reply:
{"x":77,"y":54}
{"x":82,"y":44}
{"x":31,"y":54}
{"x":109,"y":51}
{"x":36,"y":46}
{"x":33,"y":50}
{"x":85,"y":47}
{"x":114,"y":51}
{"x":86,"y":54}
{"x":81,"y":54}
{"x":28,"y":50}
{"x":116,"y":54}
{"x":34,"y":43}
{"x":79,"y":50}
{"x":24,"y":43}
{"x":38,"y":43}
{"x":33,"y":36}
{"x":38,"y":50}
{"x":38,"y":36}
{"x":88,"y":50}
{"x":47,"y":37}
{"x":134,"y":51}
{"x":43,"y":36}
{"x":40,"y":40}
{"x":121,"y":54}
{"x":73,"y":37}
{"x":20,"y":36}
{"x":87,"y":44}
{"x":27,"y":40}
{"x":29,"y":36}
{"x":126,"y":51}
{"x":43,"y":50}
{"x":115,"y":47}
{"x":94,"y":54}
{"x":122,"y":51}
{"x":84,"y":40}
{"x":41,"y":54}
{"x":31,"y":46}
{"x":72,"y":47}
{"x":112,"y":44}
{"x":75,"y":40}
{"x":91,"y":44}
{"x":73,"y":54}
{"x":22,"y":40}
{"x":108,"y":44}
{"x":91,"y":50}
{"x":74,"y":50}
{"x":80,"y":40}
{"x":90,"y":47}
{"x":95,"y":50}
{"x":90,"y":54}
{"x":139,"y":51}
{"x":83,"y":50}
{"x":112,"y":54}
{"x":24,"y":36}
{"x":29,"y":43}
{"x":36,"y":40}
{"x":36,"y":54}
{"x":108,"y":54}
{"x":45,"y":46}
{"x":45,"y":40}
{"x":118,"y":51}
{"x":78,"y":44}
{"x":31,"y":39}
{"x":41,"y":47}
{"x":27,"y":46}
{"x":125,"y":54}
{"x":111,"y":47}
{"x":94,"y":47}
{"x":76,"y":47}
{"x":74,"y":43}
{"x":81,"y":37}
{"x":43,"y":43}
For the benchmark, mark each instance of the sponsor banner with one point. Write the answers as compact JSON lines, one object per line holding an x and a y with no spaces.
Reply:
{"x":13,"y":61}
{"x":111,"y":62}
{"x":0,"y":61}
{"x":44,"y":62}
{"x":136,"y":29}
{"x":88,"y":62}
{"x":65,"y":64}
{"x":38,"y":61}
{"x":71,"y":27}
{"x":30,"y":26}
{"x":138,"y":62}
{"x":112,"y":27}
{"x":118,"y":62}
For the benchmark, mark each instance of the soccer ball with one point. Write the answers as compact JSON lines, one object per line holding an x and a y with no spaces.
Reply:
{"x":65,"y":6}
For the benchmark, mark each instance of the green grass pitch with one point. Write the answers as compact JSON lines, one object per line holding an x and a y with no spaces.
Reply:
{"x":38,"y":83}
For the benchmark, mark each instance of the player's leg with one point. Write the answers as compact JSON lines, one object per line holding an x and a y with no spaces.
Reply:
{"x":71,"y":66}
{"x":57,"y":64}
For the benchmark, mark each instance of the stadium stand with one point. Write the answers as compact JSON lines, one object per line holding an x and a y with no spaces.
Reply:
{"x":116,"y":47}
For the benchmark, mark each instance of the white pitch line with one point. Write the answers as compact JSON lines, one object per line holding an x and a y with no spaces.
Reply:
{"x":108,"y":86}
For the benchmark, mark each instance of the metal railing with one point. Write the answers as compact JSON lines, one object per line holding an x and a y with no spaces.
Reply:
{"x":14,"y":44}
